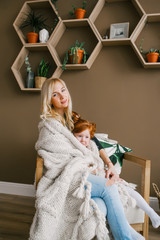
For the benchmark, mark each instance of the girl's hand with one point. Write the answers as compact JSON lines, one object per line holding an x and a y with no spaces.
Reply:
{"x":110,"y":182}
{"x":111,"y":173}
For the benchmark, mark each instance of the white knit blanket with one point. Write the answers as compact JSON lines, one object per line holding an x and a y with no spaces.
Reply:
{"x":64,"y":208}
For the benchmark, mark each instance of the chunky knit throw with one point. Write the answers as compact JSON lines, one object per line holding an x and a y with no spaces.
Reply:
{"x":64,"y":208}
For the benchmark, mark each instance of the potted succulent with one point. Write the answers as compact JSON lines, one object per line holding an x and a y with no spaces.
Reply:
{"x":79,"y":12}
{"x":42,"y":73}
{"x":30,"y":74}
{"x":152,"y":55}
{"x":36,"y":22}
{"x":76,"y":54}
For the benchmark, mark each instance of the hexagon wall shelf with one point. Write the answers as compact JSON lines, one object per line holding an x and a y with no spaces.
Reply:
{"x":35,"y":55}
{"x":90,"y":30}
{"x":116,"y":12}
{"x":149,"y":27}
{"x":45,"y":8}
{"x":75,"y":30}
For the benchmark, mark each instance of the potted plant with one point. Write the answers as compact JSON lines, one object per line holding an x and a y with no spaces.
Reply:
{"x":30,"y":74}
{"x":76,"y":54}
{"x":42,"y":73}
{"x":152,"y":54}
{"x":79,"y":12}
{"x":36,"y":22}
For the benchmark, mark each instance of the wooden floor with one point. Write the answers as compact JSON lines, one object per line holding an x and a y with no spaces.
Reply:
{"x":16,"y":213}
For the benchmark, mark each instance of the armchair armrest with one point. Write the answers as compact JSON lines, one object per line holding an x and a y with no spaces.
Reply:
{"x":39,"y":169}
{"x":145,"y":164}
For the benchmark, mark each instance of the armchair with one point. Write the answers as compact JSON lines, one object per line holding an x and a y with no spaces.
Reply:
{"x":136,"y":217}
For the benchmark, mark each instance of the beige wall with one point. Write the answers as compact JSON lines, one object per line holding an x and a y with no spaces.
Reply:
{"x":117,"y":93}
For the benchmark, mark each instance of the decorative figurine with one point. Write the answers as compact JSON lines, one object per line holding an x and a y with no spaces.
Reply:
{"x":43,"y":35}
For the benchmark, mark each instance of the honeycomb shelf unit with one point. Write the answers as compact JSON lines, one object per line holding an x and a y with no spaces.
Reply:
{"x":113,"y":11}
{"x":35,"y":56}
{"x":89,"y":30}
{"x":43,"y":7}
{"x":149,"y":27}
{"x":75,"y":30}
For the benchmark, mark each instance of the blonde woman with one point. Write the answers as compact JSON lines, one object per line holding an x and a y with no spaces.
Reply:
{"x":64,"y":208}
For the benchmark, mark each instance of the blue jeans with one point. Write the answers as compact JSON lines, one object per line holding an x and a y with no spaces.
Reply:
{"x":115,"y":213}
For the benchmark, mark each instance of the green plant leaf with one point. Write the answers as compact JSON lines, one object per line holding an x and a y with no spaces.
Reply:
{"x":35,"y":20}
{"x":43,"y":68}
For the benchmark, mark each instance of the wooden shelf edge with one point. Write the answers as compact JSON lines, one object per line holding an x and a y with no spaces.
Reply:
{"x":31,"y":89}
{"x":139,"y":28}
{"x":152,"y":65}
{"x":75,"y":22}
{"x":138,"y":7}
{"x":139,"y":55}
{"x":76,"y":66}
{"x":96,"y":11}
{"x":94,"y":54}
{"x":113,"y":42}
{"x":153,"y":17}
{"x":31,"y":45}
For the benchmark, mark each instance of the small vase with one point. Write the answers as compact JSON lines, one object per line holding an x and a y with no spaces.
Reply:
{"x":39,"y":81}
{"x":30,"y":80}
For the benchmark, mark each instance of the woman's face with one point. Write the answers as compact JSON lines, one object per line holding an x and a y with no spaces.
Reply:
{"x":60,"y":97}
{"x":83,"y":137}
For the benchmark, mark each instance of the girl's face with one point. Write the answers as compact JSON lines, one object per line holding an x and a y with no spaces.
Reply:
{"x":60,"y":97}
{"x":83,"y":137}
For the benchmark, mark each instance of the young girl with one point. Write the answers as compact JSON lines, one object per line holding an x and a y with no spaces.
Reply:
{"x":84,"y":132}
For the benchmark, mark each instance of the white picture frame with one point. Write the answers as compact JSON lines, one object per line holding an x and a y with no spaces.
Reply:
{"x":119,"y":30}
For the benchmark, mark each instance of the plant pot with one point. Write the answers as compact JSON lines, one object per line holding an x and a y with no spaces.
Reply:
{"x":32,"y":37}
{"x":30,"y":80}
{"x":39,"y":81}
{"x":152,"y":57}
{"x":79,"y":13}
{"x":80,"y":57}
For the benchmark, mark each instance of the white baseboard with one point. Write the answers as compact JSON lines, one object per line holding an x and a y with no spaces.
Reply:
{"x":29,"y":190}
{"x":17,"y":189}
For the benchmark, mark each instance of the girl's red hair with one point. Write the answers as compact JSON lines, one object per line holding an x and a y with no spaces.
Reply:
{"x":81,"y":125}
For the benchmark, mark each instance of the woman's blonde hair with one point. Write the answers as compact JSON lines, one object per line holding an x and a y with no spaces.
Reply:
{"x":47,"y":110}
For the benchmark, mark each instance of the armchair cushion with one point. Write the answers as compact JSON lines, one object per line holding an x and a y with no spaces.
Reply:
{"x":134,"y":215}
{"x":114,"y":150}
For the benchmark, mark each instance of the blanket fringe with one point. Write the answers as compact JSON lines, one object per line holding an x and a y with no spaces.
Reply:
{"x":80,"y":191}
{"x":85,"y":207}
{"x":101,"y":230}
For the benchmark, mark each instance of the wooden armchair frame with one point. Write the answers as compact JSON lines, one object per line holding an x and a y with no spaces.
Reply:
{"x":145,"y":184}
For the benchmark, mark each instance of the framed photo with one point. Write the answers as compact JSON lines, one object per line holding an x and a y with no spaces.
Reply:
{"x":119,"y":30}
